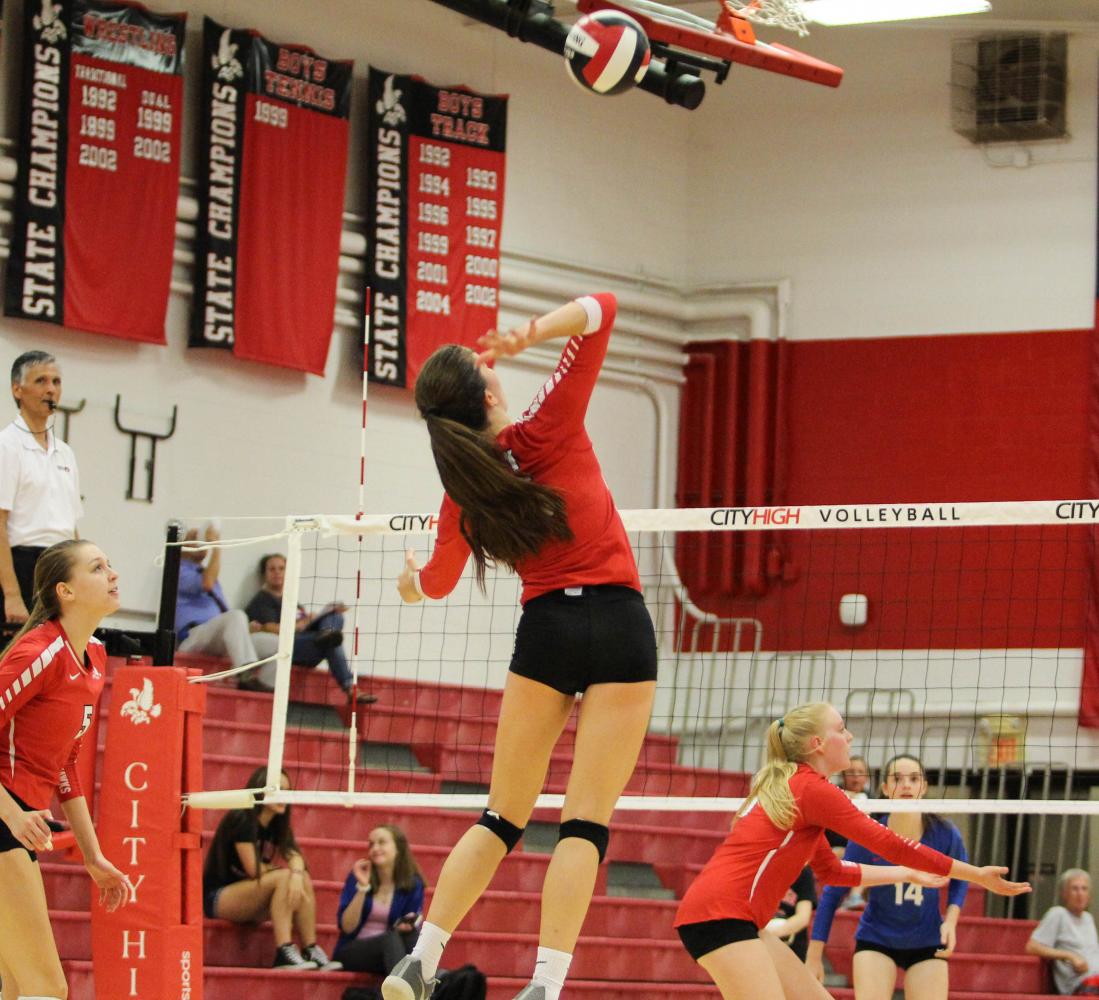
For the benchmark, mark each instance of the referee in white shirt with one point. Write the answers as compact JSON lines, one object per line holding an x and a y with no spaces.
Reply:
{"x":39,"y":485}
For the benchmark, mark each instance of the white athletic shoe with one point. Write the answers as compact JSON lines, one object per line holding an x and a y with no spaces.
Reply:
{"x":406,"y":981}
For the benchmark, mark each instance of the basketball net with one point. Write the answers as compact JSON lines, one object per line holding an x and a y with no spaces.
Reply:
{"x":786,"y":14}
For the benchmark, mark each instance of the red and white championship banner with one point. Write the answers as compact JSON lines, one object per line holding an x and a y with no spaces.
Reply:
{"x":151,"y":949}
{"x":435,"y":206}
{"x":95,"y":206}
{"x":272,"y":171}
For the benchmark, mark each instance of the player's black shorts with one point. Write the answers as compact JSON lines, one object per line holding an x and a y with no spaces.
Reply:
{"x":7,"y":838}
{"x":571,"y":639}
{"x":904,"y":958}
{"x":709,"y":935}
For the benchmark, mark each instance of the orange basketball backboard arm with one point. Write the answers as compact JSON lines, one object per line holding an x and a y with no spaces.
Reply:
{"x":732,"y":40}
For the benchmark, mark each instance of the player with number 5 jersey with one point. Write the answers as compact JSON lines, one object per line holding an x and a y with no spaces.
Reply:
{"x":51,"y":677}
{"x":902,"y":926}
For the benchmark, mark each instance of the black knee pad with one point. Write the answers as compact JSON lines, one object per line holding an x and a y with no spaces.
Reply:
{"x":593,"y":833}
{"x":509,"y":833}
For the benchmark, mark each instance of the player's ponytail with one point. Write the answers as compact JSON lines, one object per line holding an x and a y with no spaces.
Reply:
{"x":787,"y":746}
{"x":506,"y":516}
{"x":54,"y":566}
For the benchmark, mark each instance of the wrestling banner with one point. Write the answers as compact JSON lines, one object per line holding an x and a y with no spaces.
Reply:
{"x":272,"y":162}
{"x":98,"y":182}
{"x":435,"y":204}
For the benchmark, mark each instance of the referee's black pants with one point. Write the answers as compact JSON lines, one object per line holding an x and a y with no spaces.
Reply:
{"x":24,"y":558}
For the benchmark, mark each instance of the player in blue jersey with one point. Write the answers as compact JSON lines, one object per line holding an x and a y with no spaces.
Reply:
{"x":901,"y":927}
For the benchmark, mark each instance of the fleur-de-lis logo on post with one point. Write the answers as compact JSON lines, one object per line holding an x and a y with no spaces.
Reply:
{"x":141,"y":709}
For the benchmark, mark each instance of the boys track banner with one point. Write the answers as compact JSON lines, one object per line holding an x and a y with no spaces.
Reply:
{"x":95,"y":204}
{"x":272,"y":166}
{"x":435,"y":205}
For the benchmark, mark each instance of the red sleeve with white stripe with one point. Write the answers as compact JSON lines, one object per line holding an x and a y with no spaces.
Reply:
{"x":449,"y":557}
{"x":560,"y":406}
{"x":829,"y":870}
{"x":823,"y":804}
{"x":23,"y":674}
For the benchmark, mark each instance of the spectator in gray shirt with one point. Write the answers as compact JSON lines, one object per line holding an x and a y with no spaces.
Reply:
{"x":1066,"y":937}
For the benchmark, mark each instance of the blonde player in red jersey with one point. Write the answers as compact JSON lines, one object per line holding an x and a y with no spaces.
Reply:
{"x":529,"y":493}
{"x":781,"y":828}
{"x":51,"y":677}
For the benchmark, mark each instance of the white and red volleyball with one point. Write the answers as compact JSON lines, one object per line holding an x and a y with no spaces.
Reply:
{"x":607,"y":52}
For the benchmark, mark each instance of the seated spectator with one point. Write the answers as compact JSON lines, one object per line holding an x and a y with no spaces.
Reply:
{"x":204,"y":622}
{"x":795,"y":914}
{"x":255,"y":871}
{"x":319,"y":636}
{"x":1066,"y":936}
{"x":381,"y":906}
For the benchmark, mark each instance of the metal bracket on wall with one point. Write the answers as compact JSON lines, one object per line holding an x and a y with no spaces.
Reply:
{"x":68,"y":411}
{"x":150,"y":462}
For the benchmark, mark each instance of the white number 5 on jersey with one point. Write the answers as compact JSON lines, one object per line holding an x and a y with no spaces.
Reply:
{"x":909,"y":890}
{"x":89,"y":711}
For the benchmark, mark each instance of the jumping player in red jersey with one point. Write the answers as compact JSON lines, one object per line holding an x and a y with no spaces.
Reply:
{"x":780,"y":828}
{"x":529,"y":493}
{"x":51,"y":677}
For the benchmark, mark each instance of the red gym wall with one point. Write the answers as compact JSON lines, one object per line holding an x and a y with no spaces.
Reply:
{"x":899,"y":420}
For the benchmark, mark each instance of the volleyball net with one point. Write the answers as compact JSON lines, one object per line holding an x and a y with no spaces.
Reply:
{"x":955,"y":632}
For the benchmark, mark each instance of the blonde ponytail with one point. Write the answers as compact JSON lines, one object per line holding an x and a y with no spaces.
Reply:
{"x":787,"y":746}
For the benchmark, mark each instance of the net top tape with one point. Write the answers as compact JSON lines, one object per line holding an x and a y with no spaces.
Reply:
{"x":797,"y":517}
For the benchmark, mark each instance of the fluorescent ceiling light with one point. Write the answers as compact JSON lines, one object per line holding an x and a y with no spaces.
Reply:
{"x":834,"y":12}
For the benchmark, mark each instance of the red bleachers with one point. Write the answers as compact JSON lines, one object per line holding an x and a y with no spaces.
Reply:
{"x":628,"y":948}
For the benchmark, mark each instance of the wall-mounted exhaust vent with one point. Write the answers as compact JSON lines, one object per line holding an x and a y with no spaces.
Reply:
{"x":1009,"y":88}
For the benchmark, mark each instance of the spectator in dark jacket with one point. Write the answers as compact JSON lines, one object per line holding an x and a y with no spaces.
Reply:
{"x":381,"y":907}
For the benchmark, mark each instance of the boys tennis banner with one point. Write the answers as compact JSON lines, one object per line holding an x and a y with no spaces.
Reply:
{"x":435,"y":205}
{"x":95,"y":205}
{"x":272,"y":163}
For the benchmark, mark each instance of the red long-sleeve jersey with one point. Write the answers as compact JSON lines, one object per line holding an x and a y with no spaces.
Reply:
{"x":550,"y":444}
{"x":47,"y":701}
{"x":751,"y":871}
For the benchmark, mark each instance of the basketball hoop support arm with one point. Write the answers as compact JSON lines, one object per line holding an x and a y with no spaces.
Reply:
{"x":533,"y":21}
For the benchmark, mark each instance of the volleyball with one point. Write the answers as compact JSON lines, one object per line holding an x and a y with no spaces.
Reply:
{"x":607,"y":52}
